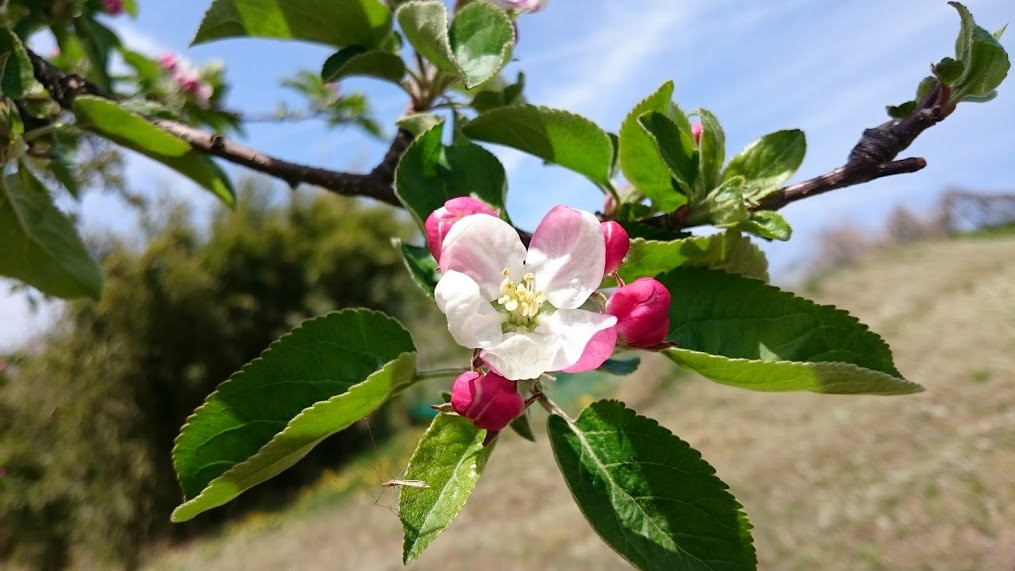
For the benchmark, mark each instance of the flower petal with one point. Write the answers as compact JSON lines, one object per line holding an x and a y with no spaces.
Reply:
{"x":472,"y":320}
{"x":599,"y":349}
{"x":522,"y":355}
{"x":574,"y":328}
{"x":567,"y":255}
{"x":481,"y":246}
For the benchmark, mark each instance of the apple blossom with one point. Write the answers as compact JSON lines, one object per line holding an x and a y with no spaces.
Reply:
{"x":617,"y":245}
{"x":642,"y":310}
{"x":489,"y":400}
{"x":441,"y":220}
{"x":521,"y":308}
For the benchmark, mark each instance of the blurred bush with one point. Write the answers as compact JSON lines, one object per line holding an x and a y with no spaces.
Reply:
{"x":88,"y":416}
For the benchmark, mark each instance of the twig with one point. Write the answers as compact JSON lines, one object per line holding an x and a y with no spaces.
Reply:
{"x":872,"y":158}
{"x":377,"y":184}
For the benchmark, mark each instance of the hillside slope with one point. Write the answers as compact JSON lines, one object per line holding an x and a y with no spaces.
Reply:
{"x":830,"y":482}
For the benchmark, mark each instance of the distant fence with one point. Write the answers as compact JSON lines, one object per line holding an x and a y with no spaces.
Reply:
{"x":962,"y":211}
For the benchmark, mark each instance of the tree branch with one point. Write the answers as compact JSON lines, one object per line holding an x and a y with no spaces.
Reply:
{"x":874,"y":155}
{"x":872,"y":158}
{"x":377,"y":184}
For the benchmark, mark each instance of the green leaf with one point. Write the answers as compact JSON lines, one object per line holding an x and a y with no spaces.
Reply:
{"x":450,"y":458}
{"x":621,"y":367}
{"x":418,"y":123}
{"x":356,"y":60}
{"x":482,"y":39}
{"x":320,"y":378}
{"x":900,"y":111}
{"x":136,"y":133}
{"x":365,"y":23}
{"x":767,"y":224}
{"x":648,"y":494}
{"x":729,"y":251}
{"x":741,"y":332}
{"x":985,"y":62}
{"x":39,"y":245}
{"x":948,"y":71}
{"x":924,"y":88}
{"x":712,"y":146}
{"x":495,"y":94}
{"x":17,"y":77}
{"x":639,"y":158}
{"x":768,"y":162}
{"x":679,"y":154}
{"x":726,"y":206}
{"x":125,"y":128}
{"x":523,"y":428}
{"x":425,"y":25}
{"x":422,"y":267}
{"x":429,"y":174}
{"x":203,"y":170}
{"x":560,"y":137}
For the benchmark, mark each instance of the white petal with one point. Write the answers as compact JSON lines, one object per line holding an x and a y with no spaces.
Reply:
{"x":567,"y":256}
{"x":481,"y":246}
{"x":472,"y":320}
{"x":522,"y":355}
{"x":573,"y":328}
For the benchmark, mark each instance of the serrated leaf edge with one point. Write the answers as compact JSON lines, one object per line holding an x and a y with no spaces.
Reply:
{"x":232,"y":378}
{"x":906,"y":386}
{"x":392,"y":364}
{"x":741,"y":514}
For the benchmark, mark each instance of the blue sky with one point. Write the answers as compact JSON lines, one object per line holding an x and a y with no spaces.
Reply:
{"x":825,"y":67}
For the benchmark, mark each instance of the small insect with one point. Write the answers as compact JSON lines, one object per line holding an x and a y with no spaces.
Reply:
{"x":406,"y":484}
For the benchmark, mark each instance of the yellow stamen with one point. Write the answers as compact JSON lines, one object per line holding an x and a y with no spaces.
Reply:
{"x":521,"y":301}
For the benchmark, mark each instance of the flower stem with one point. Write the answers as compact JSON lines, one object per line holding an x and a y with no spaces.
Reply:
{"x":551,"y":407}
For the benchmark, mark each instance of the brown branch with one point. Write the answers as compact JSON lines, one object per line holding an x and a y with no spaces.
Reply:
{"x":873,"y":157}
{"x":377,"y":184}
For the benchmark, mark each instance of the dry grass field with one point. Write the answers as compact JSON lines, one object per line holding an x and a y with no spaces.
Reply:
{"x":830,"y":482}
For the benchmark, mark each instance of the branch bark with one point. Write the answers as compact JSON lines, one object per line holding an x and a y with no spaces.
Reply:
{"x":64,"y":87}
{"x":873,"y":157}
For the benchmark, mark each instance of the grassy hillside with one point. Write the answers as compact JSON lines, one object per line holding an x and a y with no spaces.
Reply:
{"x":830,"y":482}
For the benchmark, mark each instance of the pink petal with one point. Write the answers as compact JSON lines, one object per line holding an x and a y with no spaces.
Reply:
{"x":567,"y":256}
{"x":598,"y":350}
{"x":481,"y":246}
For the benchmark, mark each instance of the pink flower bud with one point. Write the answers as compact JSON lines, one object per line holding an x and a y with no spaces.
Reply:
{"x":642,"y":310}
{"x":440,"y":221}
{"x":168,"y":61}
{"x":617,"y":245}
{"x":489,"y":400}
{"x":112,"y":7}
{"x":696,"y":132}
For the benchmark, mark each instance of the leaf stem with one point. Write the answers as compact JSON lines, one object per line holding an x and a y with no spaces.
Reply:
{"x":552,"y":408}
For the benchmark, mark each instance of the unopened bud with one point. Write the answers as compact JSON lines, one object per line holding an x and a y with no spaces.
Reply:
{"x":642,"y":309}
{"x":168,"y":61}
{"x":112,"y":7}
{"x":617,"y":245}
{"x":440,"y":221}
{"x":696,"y":132}
{"x":489,"y":400}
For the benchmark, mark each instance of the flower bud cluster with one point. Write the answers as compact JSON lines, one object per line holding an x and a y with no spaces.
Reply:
{"x":186,"y":77}
{"x":524,"y":311}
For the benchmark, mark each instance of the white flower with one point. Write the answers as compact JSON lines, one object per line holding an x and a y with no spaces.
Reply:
{"x":521,"y":308}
